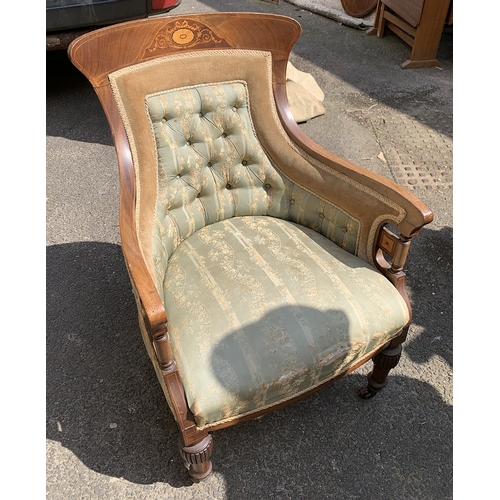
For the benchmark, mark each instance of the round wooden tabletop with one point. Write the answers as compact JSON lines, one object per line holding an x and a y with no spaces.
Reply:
{"x":358,"y":8}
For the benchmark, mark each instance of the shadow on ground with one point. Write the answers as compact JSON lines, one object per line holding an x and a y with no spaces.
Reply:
{"x":106,"y":406}
{"x":103,"y":399}
{"x":430,"y":282}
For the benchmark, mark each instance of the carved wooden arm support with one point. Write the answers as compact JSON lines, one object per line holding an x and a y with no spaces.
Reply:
{"x":396,"y":248}
{"x":155,"y":322}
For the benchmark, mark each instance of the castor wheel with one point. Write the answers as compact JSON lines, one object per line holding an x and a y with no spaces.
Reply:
{"x":366,"y":392}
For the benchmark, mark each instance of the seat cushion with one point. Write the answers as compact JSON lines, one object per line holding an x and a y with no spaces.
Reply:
{"x":262,"y":309}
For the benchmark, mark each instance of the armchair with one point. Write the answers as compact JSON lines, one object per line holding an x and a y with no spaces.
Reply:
{"x":264,"y":267}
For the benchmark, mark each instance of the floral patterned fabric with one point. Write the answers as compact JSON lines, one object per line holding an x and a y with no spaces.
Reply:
{"x":261,"y":309}
{"x":264,"y":294}
{"x":211,"y":166}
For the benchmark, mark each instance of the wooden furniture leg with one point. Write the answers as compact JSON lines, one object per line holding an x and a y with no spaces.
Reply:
{"x":379,"y":24}
{"x":197,"y":457}
{"x":427,"y":37}
{"x":383,"y":363}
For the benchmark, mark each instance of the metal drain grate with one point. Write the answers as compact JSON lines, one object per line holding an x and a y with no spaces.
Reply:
{"x":419,"y":156}
{"x":415,"y":177}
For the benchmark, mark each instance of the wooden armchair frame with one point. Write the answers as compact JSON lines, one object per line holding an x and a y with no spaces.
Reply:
{"x":107,"y":50}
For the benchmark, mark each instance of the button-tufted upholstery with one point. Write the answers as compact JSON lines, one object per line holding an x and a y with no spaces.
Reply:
{"x":304,"y":309}
{"x":210,"y":163}
{"x":211,"y":166}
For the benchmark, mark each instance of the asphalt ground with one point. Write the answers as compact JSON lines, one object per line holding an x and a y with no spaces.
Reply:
{"x":109,"y":434}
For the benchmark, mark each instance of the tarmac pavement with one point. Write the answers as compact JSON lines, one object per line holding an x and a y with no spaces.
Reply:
{"x":109,"y":434}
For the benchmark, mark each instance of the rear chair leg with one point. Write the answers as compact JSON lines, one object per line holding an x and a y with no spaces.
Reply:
{"x":383,"y":363}
{"x":197,"y":458}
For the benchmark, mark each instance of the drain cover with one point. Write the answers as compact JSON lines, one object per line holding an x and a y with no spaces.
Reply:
{"x":419,"y":156}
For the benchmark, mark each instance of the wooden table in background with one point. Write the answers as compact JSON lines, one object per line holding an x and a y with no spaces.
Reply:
{"x":419,"y":23}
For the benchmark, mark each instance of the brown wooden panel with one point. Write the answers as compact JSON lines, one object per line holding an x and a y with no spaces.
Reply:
{"x":449,"y":16}
{"x":409,"y":10}
{"x":136,"y":41}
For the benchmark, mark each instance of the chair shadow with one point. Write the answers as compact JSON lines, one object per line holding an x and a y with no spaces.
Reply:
{"x":335,"y":445}
{"x":103,"y":400}
{"x":104,"y":404}
{"x":430,"y":286}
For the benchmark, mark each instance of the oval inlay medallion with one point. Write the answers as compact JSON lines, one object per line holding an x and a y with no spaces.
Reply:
{"x":182,"y":36}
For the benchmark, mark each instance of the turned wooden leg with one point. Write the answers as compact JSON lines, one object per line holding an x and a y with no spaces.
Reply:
{"x":383,"y":363}
{"x":197,"y":458}
{"x":379,"y":24}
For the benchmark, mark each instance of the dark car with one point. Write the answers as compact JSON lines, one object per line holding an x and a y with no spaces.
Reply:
{"x":67,"y":19}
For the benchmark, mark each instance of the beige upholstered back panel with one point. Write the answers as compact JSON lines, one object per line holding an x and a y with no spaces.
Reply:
{"x":132,"y":85}
{"x":254,"y":69}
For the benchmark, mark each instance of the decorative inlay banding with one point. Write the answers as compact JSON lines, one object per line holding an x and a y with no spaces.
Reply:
{"x":184,"y":34}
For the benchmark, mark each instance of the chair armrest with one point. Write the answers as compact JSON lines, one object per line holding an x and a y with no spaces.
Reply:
{"x":368,"y":197}
{"x":149,"y":302}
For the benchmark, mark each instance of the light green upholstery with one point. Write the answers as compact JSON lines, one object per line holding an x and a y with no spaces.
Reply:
{"x":211,"y":166}
{"x":264,"y":296}
{"x":261,"y":309}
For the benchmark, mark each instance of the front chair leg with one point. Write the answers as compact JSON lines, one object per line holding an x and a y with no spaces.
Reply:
{"x":383,"y":363}
{"x":197,"y":458}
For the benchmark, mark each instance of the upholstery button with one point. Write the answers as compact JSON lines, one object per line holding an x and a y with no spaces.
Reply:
{"x":224,"y":135}
{"x":321,"y":216}
{"x":209,"y":164}
{"x":178,"y":176}
{"x":228,"y":186}
{"x":244,"y":163}
{"x":268,"y":186}
{"x":344,"y":230}
{"x":188,"y":142}
{"x":292,"y":202}
{"x":234,"y":108}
